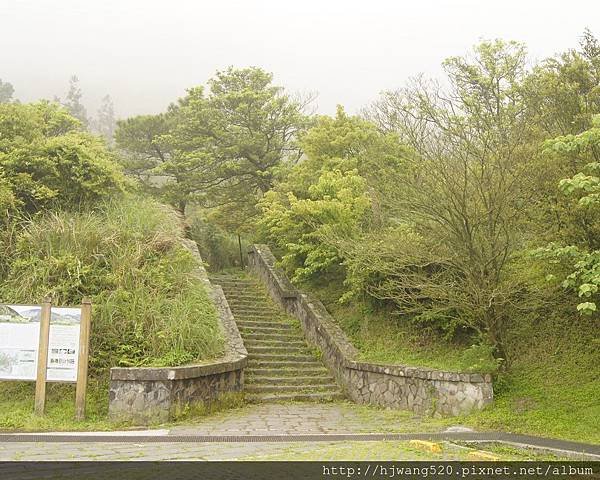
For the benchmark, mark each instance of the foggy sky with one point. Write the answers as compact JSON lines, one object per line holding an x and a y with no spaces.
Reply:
{"x":145,"y":53}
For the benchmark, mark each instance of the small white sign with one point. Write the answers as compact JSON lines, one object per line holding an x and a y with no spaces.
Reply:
{"x":19,"y":342}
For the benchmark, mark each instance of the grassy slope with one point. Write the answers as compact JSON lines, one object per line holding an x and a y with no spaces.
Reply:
{"x":550,"y":388}
{"x":381,"y":337}
{"x":149,"y":307}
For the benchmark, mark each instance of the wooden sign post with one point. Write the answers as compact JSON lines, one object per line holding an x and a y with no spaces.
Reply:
{"x":42,"y":364}
{"x":84,"y":352}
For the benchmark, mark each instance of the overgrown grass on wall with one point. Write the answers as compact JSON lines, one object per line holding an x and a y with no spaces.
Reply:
{"x":149,"y":308}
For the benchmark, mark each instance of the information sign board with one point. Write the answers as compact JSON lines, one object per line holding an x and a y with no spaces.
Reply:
{"x":19,"y":343}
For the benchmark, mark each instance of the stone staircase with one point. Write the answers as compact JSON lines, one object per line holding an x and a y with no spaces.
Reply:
{"x":281,"y":366}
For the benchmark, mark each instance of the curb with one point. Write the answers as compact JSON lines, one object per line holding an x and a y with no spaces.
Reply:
{"x":564,"y":447}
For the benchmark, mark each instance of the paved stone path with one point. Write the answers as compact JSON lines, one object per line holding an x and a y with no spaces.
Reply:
{"x":304,"y":418}
{"x":104,"y":451}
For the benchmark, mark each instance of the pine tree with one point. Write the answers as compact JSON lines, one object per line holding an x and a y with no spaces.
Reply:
{"x":6,"y":92}
{"x":73,"y":101}
{"x":105,"y":121}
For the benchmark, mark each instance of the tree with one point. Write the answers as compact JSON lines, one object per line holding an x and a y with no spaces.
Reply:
{"x":6,"y":92}
{"x":462,"y":199}
{"x":334,"y":195}
{"x":105,"y":121}
{"x":562,"y":94}
{"x":580,"y":261}
{"x":228,"y":144}
{"x":139,"y":139}
{"x":73,"y":101}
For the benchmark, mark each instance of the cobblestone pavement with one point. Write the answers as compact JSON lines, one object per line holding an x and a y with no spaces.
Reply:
{"x":100,"y":451}
{"x":130,"y":451}
{"x":306,"y":418}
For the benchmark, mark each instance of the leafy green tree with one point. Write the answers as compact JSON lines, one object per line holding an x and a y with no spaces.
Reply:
{"x":335,"y":194}
{"x":138,"y":138}
{"x":562,"y":94}
{"x":143,"y":153}
{"x":463,"y":199}
{"x":308,"y":228}
{"x":6,"y":92}
{"x":47,"y":160}
{"x":580,"y":262}
{"x":228,"y":143}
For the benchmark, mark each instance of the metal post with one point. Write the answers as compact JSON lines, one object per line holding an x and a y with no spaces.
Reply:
{"x":241,"y":254}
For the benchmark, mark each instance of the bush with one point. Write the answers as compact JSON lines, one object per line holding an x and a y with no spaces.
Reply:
{"x":149,"y":307}
{"x":47,"y":160}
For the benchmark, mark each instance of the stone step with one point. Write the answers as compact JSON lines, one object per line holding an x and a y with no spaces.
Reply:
{"x":244,"y":295}
{"x":252,"y":350}
{"x":263,"y":315}
{"x":261,"y":318}
{"x":262,"y":308}
{"x":234,"y":277}
{"x":280,"y":367}
{"x":315,"y":370}
{"x":263,"y":323}
{"x":308,"y":388}
{"x":289,"y":380}
{"x":235,"y":291}
{"x":257,"y":314}
{"x":238,"y":284}
{"x":259,"y":310}
{"x":243,"y":286}
{"x":294,"y":397}
{"x":248,"y":342}
{"x":285,"y":336}
{"x":267,"y":330}
{"x":251,"y":302}
{"x":281,"y":357}
{"x":256,"y":364}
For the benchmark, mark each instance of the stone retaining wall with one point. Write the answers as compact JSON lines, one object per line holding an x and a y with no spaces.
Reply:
{"x":145,"y":395}
{"x":422,"y":390}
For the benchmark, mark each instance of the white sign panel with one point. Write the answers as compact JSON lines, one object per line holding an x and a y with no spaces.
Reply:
{"x":19,"y":342}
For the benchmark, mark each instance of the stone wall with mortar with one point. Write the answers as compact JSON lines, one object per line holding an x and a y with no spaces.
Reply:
{"x":145,"y":395}
{"x":421,"y":390}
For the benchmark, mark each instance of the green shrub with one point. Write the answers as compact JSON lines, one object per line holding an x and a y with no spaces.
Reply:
{"x":48,"y":161}
{"x":149,"y":307}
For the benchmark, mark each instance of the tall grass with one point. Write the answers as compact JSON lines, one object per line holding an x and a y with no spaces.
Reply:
{"x":149,"y":306}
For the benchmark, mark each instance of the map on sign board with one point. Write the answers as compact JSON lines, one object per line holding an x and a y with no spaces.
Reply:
{"x":19,"y":342}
